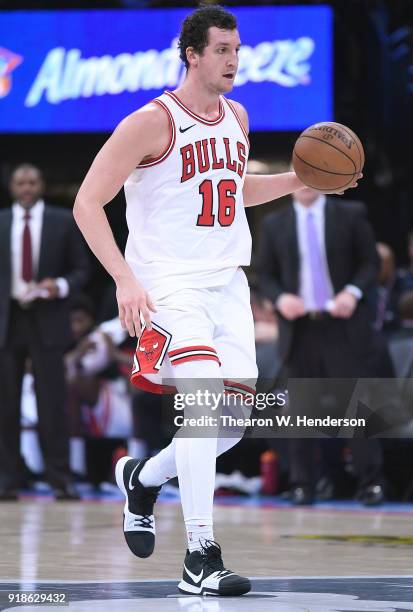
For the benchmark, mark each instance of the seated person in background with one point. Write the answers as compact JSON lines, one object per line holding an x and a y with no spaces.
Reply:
{"x":97,"y":348}
{"x":401,"y":345}
{"x":406,"y":317}
{"x":99,"y":398}
{"x":266,"y":336}
{"x":405,"y":275}
{"x":386,"y":294}
{"x":82,"y":322}
{"x":392,"y":284}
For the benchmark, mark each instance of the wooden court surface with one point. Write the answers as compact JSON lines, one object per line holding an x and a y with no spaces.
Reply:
{"x":51,"y":541}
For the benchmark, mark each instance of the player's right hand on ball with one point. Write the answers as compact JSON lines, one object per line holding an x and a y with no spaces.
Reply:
{"x":352,"y":185}
{"x":132,"y":301}
{"x":290,"y":306}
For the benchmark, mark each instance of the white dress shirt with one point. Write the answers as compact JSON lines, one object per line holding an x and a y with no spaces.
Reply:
{"x":306,"y":286}
{"x":19,"y":287}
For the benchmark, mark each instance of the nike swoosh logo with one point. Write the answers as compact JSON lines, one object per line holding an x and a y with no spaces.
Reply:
{"x":194,"y":577}
{"x":182,"y":130}
{"x":131,"y":476}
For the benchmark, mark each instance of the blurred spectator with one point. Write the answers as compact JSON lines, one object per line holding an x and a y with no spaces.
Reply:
{"x":42,"y":262}
{"x":91,"y":351}
{"x":104,"y":409}
{"x":99,"y":397}
{"x":392,"y":283}
{"x":266,"y":336}
{"x":82,"y":323}
{"x":405,"y":275}
{"x":265,"y":322}
{"x":406,"y":316}
{"x":401,"y":350}
{"x":317,"y":262}
{"x":386,"y":293}
{"x":401,"y":346}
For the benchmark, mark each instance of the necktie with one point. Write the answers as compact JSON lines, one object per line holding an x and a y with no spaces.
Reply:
{"x":27,"y":261}
{"x":317,"y":267}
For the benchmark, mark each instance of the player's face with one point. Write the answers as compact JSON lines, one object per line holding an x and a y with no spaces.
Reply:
{"x":218,"y":64}
{"x":26,"y":186}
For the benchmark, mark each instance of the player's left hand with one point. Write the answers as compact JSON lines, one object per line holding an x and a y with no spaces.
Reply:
{"x":50,"y":285}
{"x":344,"y":305}
{"x":352,"y":185}
{"x":133,"y":301}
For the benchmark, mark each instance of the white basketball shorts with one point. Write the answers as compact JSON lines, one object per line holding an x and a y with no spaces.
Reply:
{"x":196,"y":325}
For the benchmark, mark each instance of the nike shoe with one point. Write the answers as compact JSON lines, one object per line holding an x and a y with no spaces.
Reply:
{"x":204,"y":574}
{"x":138,"y":518}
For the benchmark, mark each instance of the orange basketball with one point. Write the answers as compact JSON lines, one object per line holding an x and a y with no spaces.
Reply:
{"x":328,"y":156}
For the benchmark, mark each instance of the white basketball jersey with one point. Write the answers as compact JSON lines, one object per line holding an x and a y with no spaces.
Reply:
{"x":185,"y":210}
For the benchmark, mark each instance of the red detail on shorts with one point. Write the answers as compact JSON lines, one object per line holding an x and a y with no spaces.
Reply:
{"x":150,"y":352}
{"x":185,"y":349}
{"x":238,"y":387}
{"x":193,"y":353}
{"x":140,"y":382}
{"x":196,"y":358}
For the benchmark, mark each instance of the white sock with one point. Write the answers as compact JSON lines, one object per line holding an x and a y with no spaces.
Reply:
{"x":196,"y":457}
{"x":160,"y":468}
{"x":197,"y":533}
{"x":195,"y":461}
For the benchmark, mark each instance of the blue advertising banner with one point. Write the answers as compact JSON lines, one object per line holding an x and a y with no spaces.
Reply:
{"x":83,"y":71}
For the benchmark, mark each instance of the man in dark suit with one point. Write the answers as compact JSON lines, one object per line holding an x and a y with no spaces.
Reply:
{"x":317,"y":262}
{"x":42,"y":261}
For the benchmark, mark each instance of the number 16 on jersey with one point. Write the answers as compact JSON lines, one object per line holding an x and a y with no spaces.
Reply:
{"x":224,"y":196}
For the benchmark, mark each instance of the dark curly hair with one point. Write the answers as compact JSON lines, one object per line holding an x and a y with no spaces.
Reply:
{"x":194,"y":31}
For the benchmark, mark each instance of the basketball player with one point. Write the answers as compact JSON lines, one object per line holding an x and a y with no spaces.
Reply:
{"x":182,"y":160}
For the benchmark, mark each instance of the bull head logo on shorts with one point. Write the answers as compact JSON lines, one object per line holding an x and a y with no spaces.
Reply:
{"x":149,"y":351}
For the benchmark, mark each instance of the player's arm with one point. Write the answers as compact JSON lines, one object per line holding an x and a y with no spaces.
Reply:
{"x":140,"y":135}
{"x":259,"y":189}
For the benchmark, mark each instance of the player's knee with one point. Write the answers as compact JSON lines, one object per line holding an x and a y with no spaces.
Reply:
{"x":198,"y":376}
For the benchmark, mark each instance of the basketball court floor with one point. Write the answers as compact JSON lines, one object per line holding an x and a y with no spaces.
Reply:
{"x":327,"y":558}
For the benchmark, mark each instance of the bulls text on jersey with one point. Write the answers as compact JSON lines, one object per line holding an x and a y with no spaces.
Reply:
{"x":201,"y":156}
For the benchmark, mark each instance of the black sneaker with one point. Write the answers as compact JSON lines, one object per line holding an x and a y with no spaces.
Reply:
{"x":204,"y":574}
{"x":138,"y":518}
